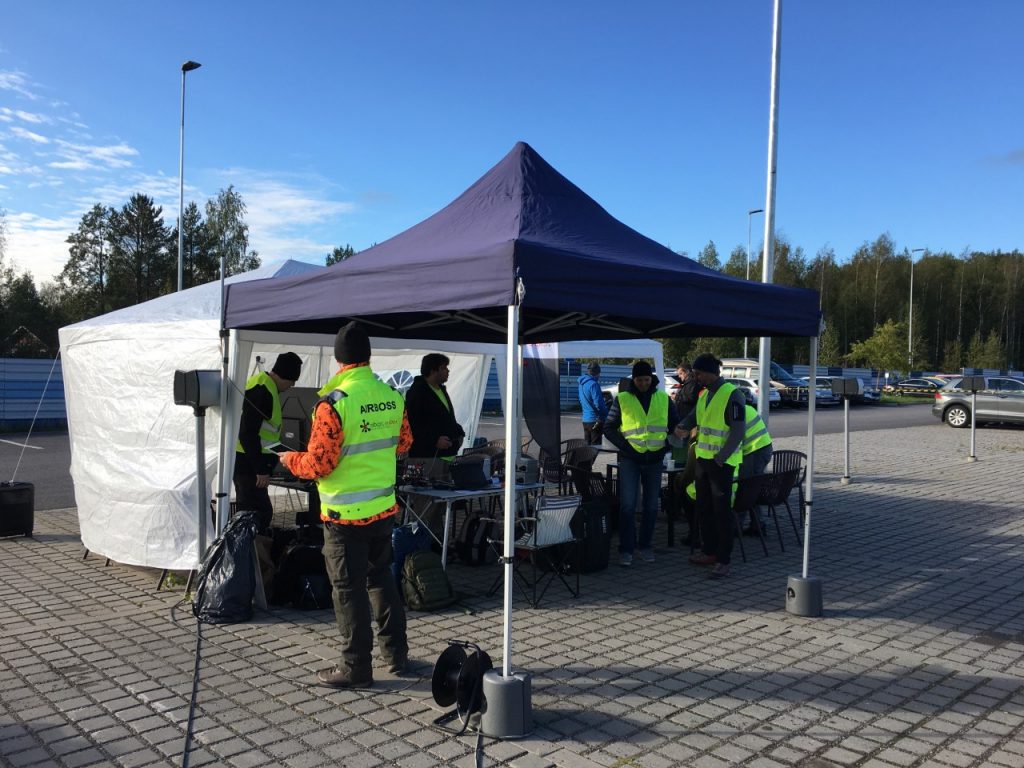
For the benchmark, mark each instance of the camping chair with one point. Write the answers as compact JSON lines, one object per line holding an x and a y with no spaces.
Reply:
{"x":550,"y":547}
{"x":783,"y":461}
{"x":748,"y":493}
{"x":775,"y":491}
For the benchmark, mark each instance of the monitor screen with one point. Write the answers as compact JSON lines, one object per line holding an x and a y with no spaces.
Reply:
{"x":296,"y":410}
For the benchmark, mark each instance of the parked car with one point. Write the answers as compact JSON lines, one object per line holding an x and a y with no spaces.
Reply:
{"x":1002,"y":400}
{"x":751,"y":391}
{"x":868,"y":393}
{"x":792,"y":390}
{"x":915,"y":387}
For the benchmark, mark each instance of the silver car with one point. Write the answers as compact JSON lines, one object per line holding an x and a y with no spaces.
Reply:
{"x":751,"y":388}
{"x":1002,"y":400}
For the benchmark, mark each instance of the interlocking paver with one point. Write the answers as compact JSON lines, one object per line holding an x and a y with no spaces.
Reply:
{"x":919,"y":659}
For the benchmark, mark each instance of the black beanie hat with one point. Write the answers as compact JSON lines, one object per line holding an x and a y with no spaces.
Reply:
{"x":288,"y":366}
{"x":642,"y":368}
{"x":352,"y":345}
{"x":594,"y":369}
{"x":707,"y":363}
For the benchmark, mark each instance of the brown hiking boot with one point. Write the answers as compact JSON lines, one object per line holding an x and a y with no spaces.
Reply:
{"x":342,"y":677}
{"x":699,"y":558}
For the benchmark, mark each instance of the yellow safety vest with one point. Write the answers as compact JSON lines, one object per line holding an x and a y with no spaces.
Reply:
{"x":644,"y":430}
{"x":756,"y":436}
{"x":363,"y":483}
{"x":270,"y":429}
{"x":712,"y":427}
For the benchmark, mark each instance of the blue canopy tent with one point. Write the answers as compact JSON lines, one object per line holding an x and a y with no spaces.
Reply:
{"x":521,"y":256}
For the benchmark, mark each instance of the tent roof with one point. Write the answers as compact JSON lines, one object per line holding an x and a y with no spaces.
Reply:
{"x":584,"y":275}
{"x":200,"y":302}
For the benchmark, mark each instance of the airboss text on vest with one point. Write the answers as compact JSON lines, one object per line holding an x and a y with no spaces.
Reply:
{"x":380,"y":407}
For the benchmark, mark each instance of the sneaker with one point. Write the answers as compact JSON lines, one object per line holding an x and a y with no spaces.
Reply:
{"x":699,"y":558}
{"x":647,"y":555}
{"x":343,"y":677}
{"x":720,"y":571}
{"x":398,"y":665}
{"x":625,"y":559}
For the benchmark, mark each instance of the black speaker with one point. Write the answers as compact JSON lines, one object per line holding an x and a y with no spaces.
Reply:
{"x":458,"y":679}
{"x":17,"y":508}
{"x":973,"y":383}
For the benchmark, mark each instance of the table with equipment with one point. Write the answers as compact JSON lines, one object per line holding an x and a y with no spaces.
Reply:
{"x":449,"y":496}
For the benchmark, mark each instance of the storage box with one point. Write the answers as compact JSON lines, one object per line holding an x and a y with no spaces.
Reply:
{"x":17,"y":509}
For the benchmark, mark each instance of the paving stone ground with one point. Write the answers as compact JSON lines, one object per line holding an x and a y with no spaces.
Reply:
{"x":918,"y":660}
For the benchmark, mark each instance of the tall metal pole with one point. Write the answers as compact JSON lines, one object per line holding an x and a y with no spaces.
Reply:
{"x":750,"y":213}
{"x":910,"y":318}
{"x":765,"y":356}
{"x":188,"y":66}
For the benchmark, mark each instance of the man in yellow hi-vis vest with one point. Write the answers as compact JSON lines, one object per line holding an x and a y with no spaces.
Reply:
{"x":639,"y":422}
{"x":259,"y":431}
{"x":359,"y":429}
{"x":720,"y":420}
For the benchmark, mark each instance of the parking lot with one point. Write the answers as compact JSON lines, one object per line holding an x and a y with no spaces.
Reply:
{"x":918,"y":660}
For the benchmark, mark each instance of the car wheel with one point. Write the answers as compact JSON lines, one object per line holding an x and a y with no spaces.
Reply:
{"x":957,"y":416}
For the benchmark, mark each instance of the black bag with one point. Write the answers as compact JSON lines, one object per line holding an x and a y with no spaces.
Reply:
{"x":425,"y":585}
{"x":227,"y":578}
{"x":591,"y":526}
{"x":406,"y":539}
{"x":301,"y":578}
{"x":471,"y":545}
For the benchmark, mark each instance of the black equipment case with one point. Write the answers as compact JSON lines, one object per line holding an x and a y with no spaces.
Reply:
{"x":591,"y":526}
{"x":17,"y":509}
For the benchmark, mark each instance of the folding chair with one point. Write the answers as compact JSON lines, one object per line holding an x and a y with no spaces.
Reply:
{"x":748,"y":493}
{"x":548,"y":542}
{"x":775,"y":491}
{"x":783,"y":461}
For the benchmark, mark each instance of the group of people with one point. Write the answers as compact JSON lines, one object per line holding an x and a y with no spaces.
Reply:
{"x":710,"y":422}
{"x":360,"y":426}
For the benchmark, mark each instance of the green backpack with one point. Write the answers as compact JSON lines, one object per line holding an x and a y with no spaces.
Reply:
{"x":425,"y":585}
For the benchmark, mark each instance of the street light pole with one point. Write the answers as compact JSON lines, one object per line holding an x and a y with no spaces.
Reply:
{"x":750,"y":213}
{"x":188,"y":66}
{"x":910,"y":318}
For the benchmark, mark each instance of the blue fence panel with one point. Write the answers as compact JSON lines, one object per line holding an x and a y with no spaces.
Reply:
{"x":31,"y":389}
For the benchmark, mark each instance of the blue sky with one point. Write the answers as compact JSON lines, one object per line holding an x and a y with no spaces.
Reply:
{"x":347,"y":122}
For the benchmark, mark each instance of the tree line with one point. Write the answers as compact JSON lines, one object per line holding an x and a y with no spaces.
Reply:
{"x":967,"y":307}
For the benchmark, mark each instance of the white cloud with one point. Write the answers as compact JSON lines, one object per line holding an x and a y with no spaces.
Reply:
{"x":17,"y":82}
{"x":86,"y":156}
{"x":23,"y":133}
{"x":37,"y":244}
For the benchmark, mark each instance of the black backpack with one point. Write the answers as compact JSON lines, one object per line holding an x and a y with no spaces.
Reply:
{"x":471,"y":545}
{"x":425,"y":585}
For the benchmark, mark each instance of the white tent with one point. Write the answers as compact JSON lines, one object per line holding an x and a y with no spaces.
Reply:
{"x":133,"y":451}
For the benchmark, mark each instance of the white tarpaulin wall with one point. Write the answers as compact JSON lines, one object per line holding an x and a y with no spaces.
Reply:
{"x":133,"y":451}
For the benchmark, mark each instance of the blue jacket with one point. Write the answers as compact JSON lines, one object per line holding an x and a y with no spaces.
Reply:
{"x":591,"y":398}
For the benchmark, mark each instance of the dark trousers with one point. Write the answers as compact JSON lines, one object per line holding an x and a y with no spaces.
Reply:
{"x":636,"y":478}
{"x":250,"y":498}
{"x":592,"y":432}
{"x":358,"y":559}
{"x":714,"y":508}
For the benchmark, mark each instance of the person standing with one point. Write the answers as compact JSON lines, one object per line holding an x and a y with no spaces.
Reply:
{"x":720,"y":418}
{"x":595,"y":409}
{"x":359,"y":428}
{"x":639,"y":421}
{"x":259,"y":429}
{"x":757,"y":452}
{"x":437,"y":436}
{"x":686,"y":396}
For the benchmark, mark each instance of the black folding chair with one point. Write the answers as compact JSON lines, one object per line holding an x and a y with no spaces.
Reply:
{"x":775,"y":492}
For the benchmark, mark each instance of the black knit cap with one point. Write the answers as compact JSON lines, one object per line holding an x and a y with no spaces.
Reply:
{"x":707,"y":363}
{"x":642,"y":368}
{"x":352,"y":345}
{"x":594,"y":369}
{"x":288,"y":366}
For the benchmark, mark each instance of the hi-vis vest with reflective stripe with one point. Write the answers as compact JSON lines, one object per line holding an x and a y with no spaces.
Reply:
{"x":270,"y":429}
{"x":644,"y":430}
{"x":711,"y":425}
{"x":756,"y":435}
{"x":363,"y":483}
